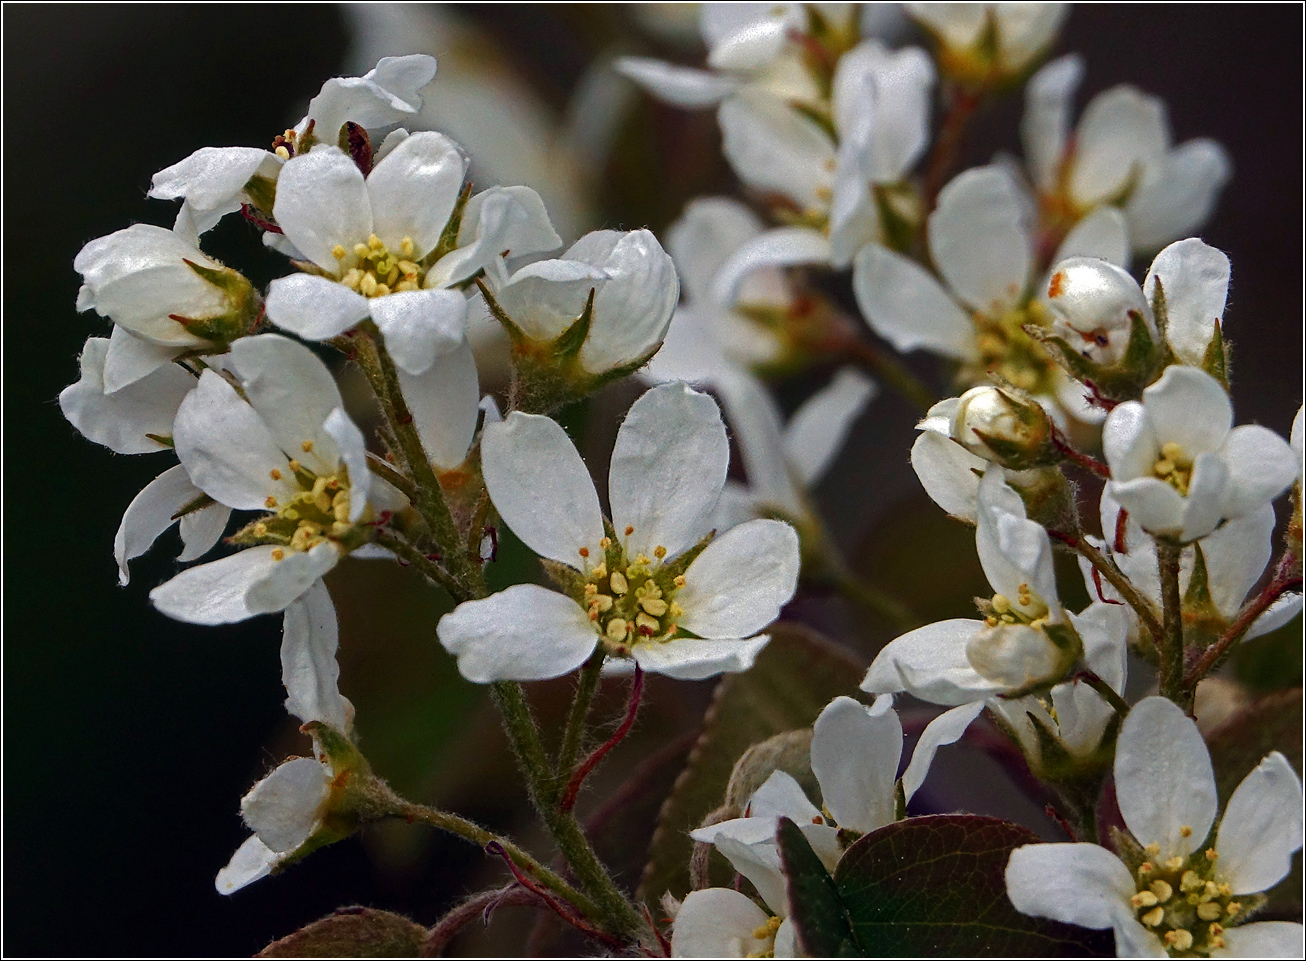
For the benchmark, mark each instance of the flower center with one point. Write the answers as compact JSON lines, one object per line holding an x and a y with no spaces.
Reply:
{"x":766,"y":932}
{"x":373,"y":270}
{"x":1025,"y":608}
{"x":1006,"y":350}
{"x":319,"y":512}
{"x":632,"y":601}
{"x":1174,"y":467}
{"x":1180,"y":902}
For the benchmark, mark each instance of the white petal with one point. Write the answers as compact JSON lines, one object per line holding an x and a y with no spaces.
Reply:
{"x":1121,"y":130}
{"x":285,"y":807}
{"x":252,"y":860}
{"x":1013,"y":550}
{"x":782,"y":796}
{"x":944,"y":729}
{"x":1129,"y":442}
{"x":678,"y":86}
{"x":556,"y":518}
{"x":420,"y":325}
{"x":214,"y":593}
{"x":1276,"y":615}
{"x":1102,"y":234}
{"x":881,"y":103}
{"x":907,"y":307}
{"x":855,"y":760}
{"x":547,"y":297}
{"x":633,"y":309}
{"x":979,"y":241}
{"x":150,"y":514}
{"x":212,"y":181}
{"x":1046,"y":122}
{"x":738,"y":585}
{"x":322,"y":202}
{"x":286,"y":580}
{"x":1025,"y":30}
{"x":201,"y":529}
{"x":444,"y":403}
{"x":958,"y":25}
{"x":759,"y":436}
{"x":708,"y":232}
{"x":1189,"y":407}
{"x":353,"y":457}
{"x":1104,"y":629}
{"x":1176,"y":195}
{"x":526,"y":633}
{"x":131,"y":358}
{"x":947,"y":472}
{"x":315,"y":308}
{"x":750,"y":48}
{"x":1208,"y":493}
{"x":819,"y":427}
{"x":760,"y":864}
{"x":1195,"y":279}
{"x":413,"y":190}
{"x":495,"y":221}
{"x":1261,"y":828}
{"x":717,"y":923}
{"x":930,"y":663}
{"x":1263,"y":939}
{"x":773,"y":148}
{"x":293,"y":393}
{"x":384,"y":95}
{"x":121,"y":420}
{"x":689,"y":659}
{"x":668,"y":466}
{"x":1261,"y":466}
{"x":781,"y":247}
{"x":1153,"y":503}
{"x":309,"y":671}
{"x":1079,"y":884}
{"x":226,"y":448}
{"x":1164,"y":781}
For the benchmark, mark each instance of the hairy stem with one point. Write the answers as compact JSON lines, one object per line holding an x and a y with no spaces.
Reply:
{"x":1107,"y":568}
{"x":432,"y":569}
{"x":1171,"y":647}
{"x":1078,"y":457}
{"x":383,"y":469}
{"x":1118,"y":703}
{"x":476,"y":906}
{"x":574,"y":732}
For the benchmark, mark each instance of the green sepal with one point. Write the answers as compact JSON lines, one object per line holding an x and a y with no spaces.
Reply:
{"x":899,"y":207}
{"x":338,"y":750}
{"x":449,"y":236}
{"x":668,"y":572}
{"x":1215,"y":359}
{"x":817,"y":115}
{"x":308,"y":267}
{"x":1050,"y":498}
{"x":1127,"y":849}
{"x":243,"y":306}
{"x":1160,"y":312}
{"x":262,"y":192}
{"x":515,"y":333}
{"x":1203,"y":622}
{"x":191,"y":506}
{"x":1016,"y":456}
{"x":164,"y":439}
{"x":1141,"y":364}
{"x":566,"y":578}
{"x":567,"y":345}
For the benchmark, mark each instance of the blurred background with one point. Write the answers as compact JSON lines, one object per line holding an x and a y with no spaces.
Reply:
{"x":129,"y":738}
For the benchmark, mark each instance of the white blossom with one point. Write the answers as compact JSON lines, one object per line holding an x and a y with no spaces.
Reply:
{"x":290,"y":450}
{"x":1020,"y":32}
{"x":1190,"y":895}
{"x":212,"y":182}
{"x":668,"y":467}
{"x":1119,"y":155}
{"x":1180,"y":467}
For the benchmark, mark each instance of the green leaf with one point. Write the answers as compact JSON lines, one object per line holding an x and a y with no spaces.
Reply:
{"x":816,"y":907}
{"x":934,"y":886}
{"x":355,"y":932}
{"x":795,"y":677}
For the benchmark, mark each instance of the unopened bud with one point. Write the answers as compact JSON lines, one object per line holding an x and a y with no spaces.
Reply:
{"x":1092,"y":303}
{"x":1018,"y":656}
{"x":1003,"y":428}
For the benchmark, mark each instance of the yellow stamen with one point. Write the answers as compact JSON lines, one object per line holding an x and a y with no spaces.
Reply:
{"x":619,"y":583}
{"x":270,"y":503}
{"x":1179,"y":939}
{"x":274,"y":474}
{"x":1162,"y":890}
{"x":1209,"y":911}
{"x":278,"y":554}
{"x":306,"y":446}
{"x":339,"y":252}
{"x":1154,"y":917}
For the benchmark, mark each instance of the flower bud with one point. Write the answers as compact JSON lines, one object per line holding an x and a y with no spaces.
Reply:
{"x":1094,"y":303}
{"x":1018,"y":656}
{"x":1003,"y":427}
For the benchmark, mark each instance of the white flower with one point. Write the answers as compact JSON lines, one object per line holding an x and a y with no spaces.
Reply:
{"x":1179,"y":468}
{"x":981,"y":243}
{"x":633,"y":594}
{"x":855,"y":754}
{"x":290,"y":450}
{"x":1185,"y":893}
{"x":286,"y":808}
{"x":635,"y":292}
{"x":212,"y":182}
{"x":990,"y":42}
{"x":164,"y":294}
{"x":1025,"y":640}
{"x":137,"y":419}
{"x":1120,"y":155}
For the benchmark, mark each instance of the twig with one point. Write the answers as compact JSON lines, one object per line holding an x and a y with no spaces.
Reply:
{"x":383,"y":469}
{"x":478,"y":905}
{"x":1078,"y":457}
{"x":494,"y":847}
{"x":1171,"y":646}
{"x":580,"y":706}
{"x":411,"y":555}
{"x":1118,"y":703}
{"x":590,"y":763}
{"x":1103,"y":564}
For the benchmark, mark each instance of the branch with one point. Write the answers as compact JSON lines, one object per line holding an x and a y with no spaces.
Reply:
{"x":411,"y":555}
{"x":477,"y":906}
{"x":1171,"y":647}
{"x":1107,"y":568}
{"x":580,"y":706}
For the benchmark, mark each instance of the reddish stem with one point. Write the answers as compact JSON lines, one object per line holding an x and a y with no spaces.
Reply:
{"x":1284,"y":580}
{"x":1055,"y":815}
{"x":952,"y":132}
{"x":590,"y":763}
{"x":1078,"y":457}
{"x":247,"y":211}
{"x":579,"y":923}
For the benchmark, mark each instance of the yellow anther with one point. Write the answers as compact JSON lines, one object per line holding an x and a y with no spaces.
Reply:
{"x":274,"y":474}
{"x":676,"y":611}
{"x":339,"y":252}
{"x":1001,"y":604}
{"x":629,"y":530}
{"x":601,"y":603}
{"x":278,"y":554}
{"x":306,"y":446}
{"x":991,"y":621}
{"x":367,"y":286}
{"x":642,"y":560}
{"x":1212,"y":854}
{"x":260,"y":528}
{"x":605,"y":542}
{"x":618,"y":583}
{"x":1174,"y":863}
{"x":1145,"y":869}
{"x":1153,"y":849}
{"x":1210,"y":891}
{"x":616,"y":629}
{"x":1232,"y":908}
{"x":1171,"y":451}
{"x":409,"y":269}
{"x":1143,"y":899}
{"x":584,"y":552}
{"x":374,"y":242}
{"x":360,"y":250}
{"x":392,"y":275}
{"x":654,"y":605}
{"x":601,"y":571}
{"x":591,"y":588}
{"x":282,"y":152}
{"x":1218,"y":943}
{"x":340,"y":511}
{"x":295,"y":465}
{"x":594,"y":614}
{"x":1163,"y":468}
{"x":659,"y":552}
{"x":1154,"y":917}
{"x":648,"y":623}
{"x":1209,"y":911}
{"x":678,"y":580}
{"x":1162,"y":890}
{"x":1185,"y":831}
{"x":290,"y":514}
{"x":1191,"y":882}
{"x":406,"y":285}
{"x":319,"y":485}
{"x":381,"y":291}
{"x":1179,"y":939}
{"x":270,"y":503}
{"x":406,"y":245}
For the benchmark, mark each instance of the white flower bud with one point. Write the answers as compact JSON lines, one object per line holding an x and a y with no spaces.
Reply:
{"x":1093,"y":301}
{"x":1015,"y":655}
{"x":1000,"y":427}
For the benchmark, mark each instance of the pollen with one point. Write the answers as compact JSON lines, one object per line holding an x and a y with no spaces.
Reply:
{"x":406,"y":245}
{"x":1210,"y":911}
{"x":339,"y":252}
{"x":270,"y":503}
{"x":295,"y":465}
{"x":278,"y":554}
{"x":1143,"y":899}
{"x":605,"y":543}
{"x":282,"y":152}
{"x":1162,"y":890}
{"x":1154,"y":917}
{"x":274,"y":474}
{"x":629,"y":530}
{"x":679,"y":580}
{"x":659,"y":552}
{"x":584,"y":552}
{"x":1179,"y":939}
{"x":306,"y":446}
{"x":1212,"y":854}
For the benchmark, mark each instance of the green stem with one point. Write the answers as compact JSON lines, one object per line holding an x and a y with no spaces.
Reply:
{"x":1172,"y":640}
{"x":1118,"y":703}
{"x":1116,"y":578}
{"x":875,"y":601}
{"x":617,"y":913}
{"x":381,"y":468}
{"x":580,"y":706}
{"x":411,"y":555}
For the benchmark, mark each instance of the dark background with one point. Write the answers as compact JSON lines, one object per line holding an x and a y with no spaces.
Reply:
{"x":129,"y":738}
